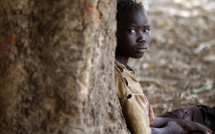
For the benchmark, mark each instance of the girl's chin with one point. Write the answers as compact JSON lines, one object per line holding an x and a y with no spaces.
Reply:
{"x":138,"y":56}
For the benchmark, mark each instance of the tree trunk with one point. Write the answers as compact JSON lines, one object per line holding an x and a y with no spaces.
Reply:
{"x":56,"y":67}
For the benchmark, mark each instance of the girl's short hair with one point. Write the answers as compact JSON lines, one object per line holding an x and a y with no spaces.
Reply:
{"x":127,"y":5}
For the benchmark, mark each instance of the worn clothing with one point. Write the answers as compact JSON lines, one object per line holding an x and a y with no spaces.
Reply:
{"x":202,"y":114}
{"x":135,"y":106}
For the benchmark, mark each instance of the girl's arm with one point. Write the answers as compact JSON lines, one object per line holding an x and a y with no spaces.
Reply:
{"x":171,"y":128}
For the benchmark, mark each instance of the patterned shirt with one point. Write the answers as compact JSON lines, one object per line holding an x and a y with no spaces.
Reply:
{"x":136,"y":109}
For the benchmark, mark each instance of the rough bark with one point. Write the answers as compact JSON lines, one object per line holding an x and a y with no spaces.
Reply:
{"x":56,"y":67}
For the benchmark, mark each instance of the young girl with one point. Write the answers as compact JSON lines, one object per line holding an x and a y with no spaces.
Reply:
{"x":133,"y":39}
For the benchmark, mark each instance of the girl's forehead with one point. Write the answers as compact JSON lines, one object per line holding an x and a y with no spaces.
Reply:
{"x":136,"y":16}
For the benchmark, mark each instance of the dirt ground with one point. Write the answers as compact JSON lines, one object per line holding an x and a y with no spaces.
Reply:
{"x":178,"y":69}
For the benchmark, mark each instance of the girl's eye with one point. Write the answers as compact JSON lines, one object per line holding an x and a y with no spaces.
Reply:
{"x":146,"y":30}
{"x":132,"y":31}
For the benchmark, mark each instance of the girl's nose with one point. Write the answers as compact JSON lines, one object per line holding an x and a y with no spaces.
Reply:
{"x":141,"y":38}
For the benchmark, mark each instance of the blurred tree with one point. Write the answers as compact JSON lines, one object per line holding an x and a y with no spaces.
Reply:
{"x":56,"y":67}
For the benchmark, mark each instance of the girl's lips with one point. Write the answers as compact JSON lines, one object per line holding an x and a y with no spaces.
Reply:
{"x":140,"y":50}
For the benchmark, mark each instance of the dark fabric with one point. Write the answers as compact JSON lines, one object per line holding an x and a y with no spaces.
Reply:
{"x":202,"y":114}
{"x":209,"y":116}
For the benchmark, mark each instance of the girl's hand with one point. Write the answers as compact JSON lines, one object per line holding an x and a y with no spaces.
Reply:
{"x":195,"y":127}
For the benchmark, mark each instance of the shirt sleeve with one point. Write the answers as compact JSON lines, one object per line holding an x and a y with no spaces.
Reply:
{"x":136,"y":115}
{"x":134,"y":108}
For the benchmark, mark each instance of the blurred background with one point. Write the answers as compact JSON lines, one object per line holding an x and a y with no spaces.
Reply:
{"x":178,"y":69}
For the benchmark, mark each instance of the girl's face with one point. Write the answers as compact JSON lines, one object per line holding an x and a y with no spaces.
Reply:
{"x":133,"y":34}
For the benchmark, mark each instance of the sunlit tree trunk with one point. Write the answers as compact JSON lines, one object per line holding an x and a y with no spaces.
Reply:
{"x":56,"y":67}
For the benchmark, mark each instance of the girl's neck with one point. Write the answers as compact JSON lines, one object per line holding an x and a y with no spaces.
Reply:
{"x":122,"y":60}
